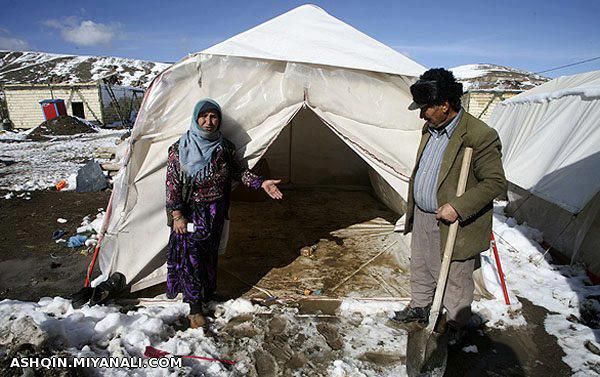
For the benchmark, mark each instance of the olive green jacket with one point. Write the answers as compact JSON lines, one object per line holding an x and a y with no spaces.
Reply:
{"x":485,"y":182}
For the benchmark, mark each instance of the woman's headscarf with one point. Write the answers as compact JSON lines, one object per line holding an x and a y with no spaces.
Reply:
{"x":197,"y":146}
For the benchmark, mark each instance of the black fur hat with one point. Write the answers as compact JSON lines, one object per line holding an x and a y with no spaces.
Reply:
{"x":434,"y":87}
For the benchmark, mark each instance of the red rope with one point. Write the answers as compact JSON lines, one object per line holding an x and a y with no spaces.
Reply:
{"x":155,"y":353}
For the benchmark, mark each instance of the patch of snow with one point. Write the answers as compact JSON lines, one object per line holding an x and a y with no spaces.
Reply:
{"x":571,"y":338}
{"x":586,"y":94}
{"x":350,"y":306}
{"x":234,"y":308}
{"x":469,"y":71}
{"x":565,"y":291}
{"x":68,"y":68}
{"x":39,"y":165}
{"x":470,"y":349}
{"x":341,"y":369}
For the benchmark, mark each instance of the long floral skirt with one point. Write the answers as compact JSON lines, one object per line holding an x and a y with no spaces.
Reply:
{"x":192,"y":257}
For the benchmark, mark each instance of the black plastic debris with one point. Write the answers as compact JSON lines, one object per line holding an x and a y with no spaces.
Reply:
{"x":58,"y":234}
{"x":105,"y":290}
{"x":91,"y":178}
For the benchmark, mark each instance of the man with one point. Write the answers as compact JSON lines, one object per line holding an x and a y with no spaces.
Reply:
{"x":432,"y":201}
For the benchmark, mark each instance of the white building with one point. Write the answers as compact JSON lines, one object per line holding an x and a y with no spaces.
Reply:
{"x":97,"y":102}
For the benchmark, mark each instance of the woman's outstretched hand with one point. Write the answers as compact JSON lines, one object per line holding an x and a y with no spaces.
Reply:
{"x":270,"y":187}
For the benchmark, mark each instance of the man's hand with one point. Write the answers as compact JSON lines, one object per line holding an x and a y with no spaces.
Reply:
{"x":446,"y":213}
{"x":270,"y":187}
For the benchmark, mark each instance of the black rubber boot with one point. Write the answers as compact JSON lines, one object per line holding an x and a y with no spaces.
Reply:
{"x":106,"y":289}
{"x":410,"y":314}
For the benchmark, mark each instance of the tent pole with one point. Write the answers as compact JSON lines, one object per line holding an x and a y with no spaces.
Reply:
{"x":500,"y":272}
{"x":100,"y":239}
{"x":290,"y":152}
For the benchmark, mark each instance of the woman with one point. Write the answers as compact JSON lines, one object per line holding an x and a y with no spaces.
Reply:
{"x":200,"y":169}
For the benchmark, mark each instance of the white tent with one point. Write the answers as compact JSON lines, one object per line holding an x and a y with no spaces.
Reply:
{"x":338,"y":89}
{"x":551,"y":147}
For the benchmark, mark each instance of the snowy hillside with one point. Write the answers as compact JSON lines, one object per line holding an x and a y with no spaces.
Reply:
{"x":491,"y":76}
{"x":18,"y":67}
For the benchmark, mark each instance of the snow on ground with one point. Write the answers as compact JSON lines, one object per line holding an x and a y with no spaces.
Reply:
{"x":565,"y":291}
{"x":32,"y":165}
{"x":242,"y":332}
{"x":357,"y":342}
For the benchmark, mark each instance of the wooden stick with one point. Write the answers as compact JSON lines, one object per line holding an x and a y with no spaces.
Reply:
{"x":265,"y":291}
{"x":363,"y":266}
{"x":449,"y":247}
{"x":383,"y":284}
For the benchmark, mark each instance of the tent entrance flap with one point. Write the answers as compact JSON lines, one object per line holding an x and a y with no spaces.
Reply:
{"x":308,"y":153}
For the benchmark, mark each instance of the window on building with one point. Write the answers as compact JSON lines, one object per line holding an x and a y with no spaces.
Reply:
{"x":77,"y":109}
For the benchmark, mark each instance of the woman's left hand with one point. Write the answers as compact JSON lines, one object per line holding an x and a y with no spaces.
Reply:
{"x":270,"y":187}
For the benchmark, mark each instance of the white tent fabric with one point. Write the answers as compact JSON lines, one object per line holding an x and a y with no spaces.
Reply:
{"x":551,"y":139}
{"x":551,"y":146}
{"x":318,"y":38}
{"x":260,"y":95}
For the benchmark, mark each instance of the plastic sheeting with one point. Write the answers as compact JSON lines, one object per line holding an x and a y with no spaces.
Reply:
{"x":551,"y":140}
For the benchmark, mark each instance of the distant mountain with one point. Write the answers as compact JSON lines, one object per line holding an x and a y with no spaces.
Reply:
{"x":491,"y":76}
{"x":21,"y":67}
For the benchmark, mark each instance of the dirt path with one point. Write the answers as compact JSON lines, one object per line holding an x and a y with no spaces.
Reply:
{"x":32,"y":265}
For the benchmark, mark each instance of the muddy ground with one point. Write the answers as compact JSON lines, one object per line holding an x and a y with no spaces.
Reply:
{"x":32,"y":265}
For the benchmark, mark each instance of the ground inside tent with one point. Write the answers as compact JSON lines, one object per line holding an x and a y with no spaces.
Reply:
{"x":341,"y":230}
{"x":347,"y":238}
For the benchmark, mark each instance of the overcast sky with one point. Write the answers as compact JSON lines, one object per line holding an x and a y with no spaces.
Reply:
{"x":531,"y":35}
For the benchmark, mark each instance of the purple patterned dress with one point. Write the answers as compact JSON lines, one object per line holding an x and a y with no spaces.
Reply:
{"x":192,"y":257}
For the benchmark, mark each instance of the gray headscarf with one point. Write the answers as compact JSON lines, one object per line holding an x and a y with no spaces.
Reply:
{"x":197,"y":146}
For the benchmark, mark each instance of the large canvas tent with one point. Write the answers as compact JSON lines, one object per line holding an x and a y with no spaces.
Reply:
{"x":321,"y":102}
{"x":551,"y":141}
